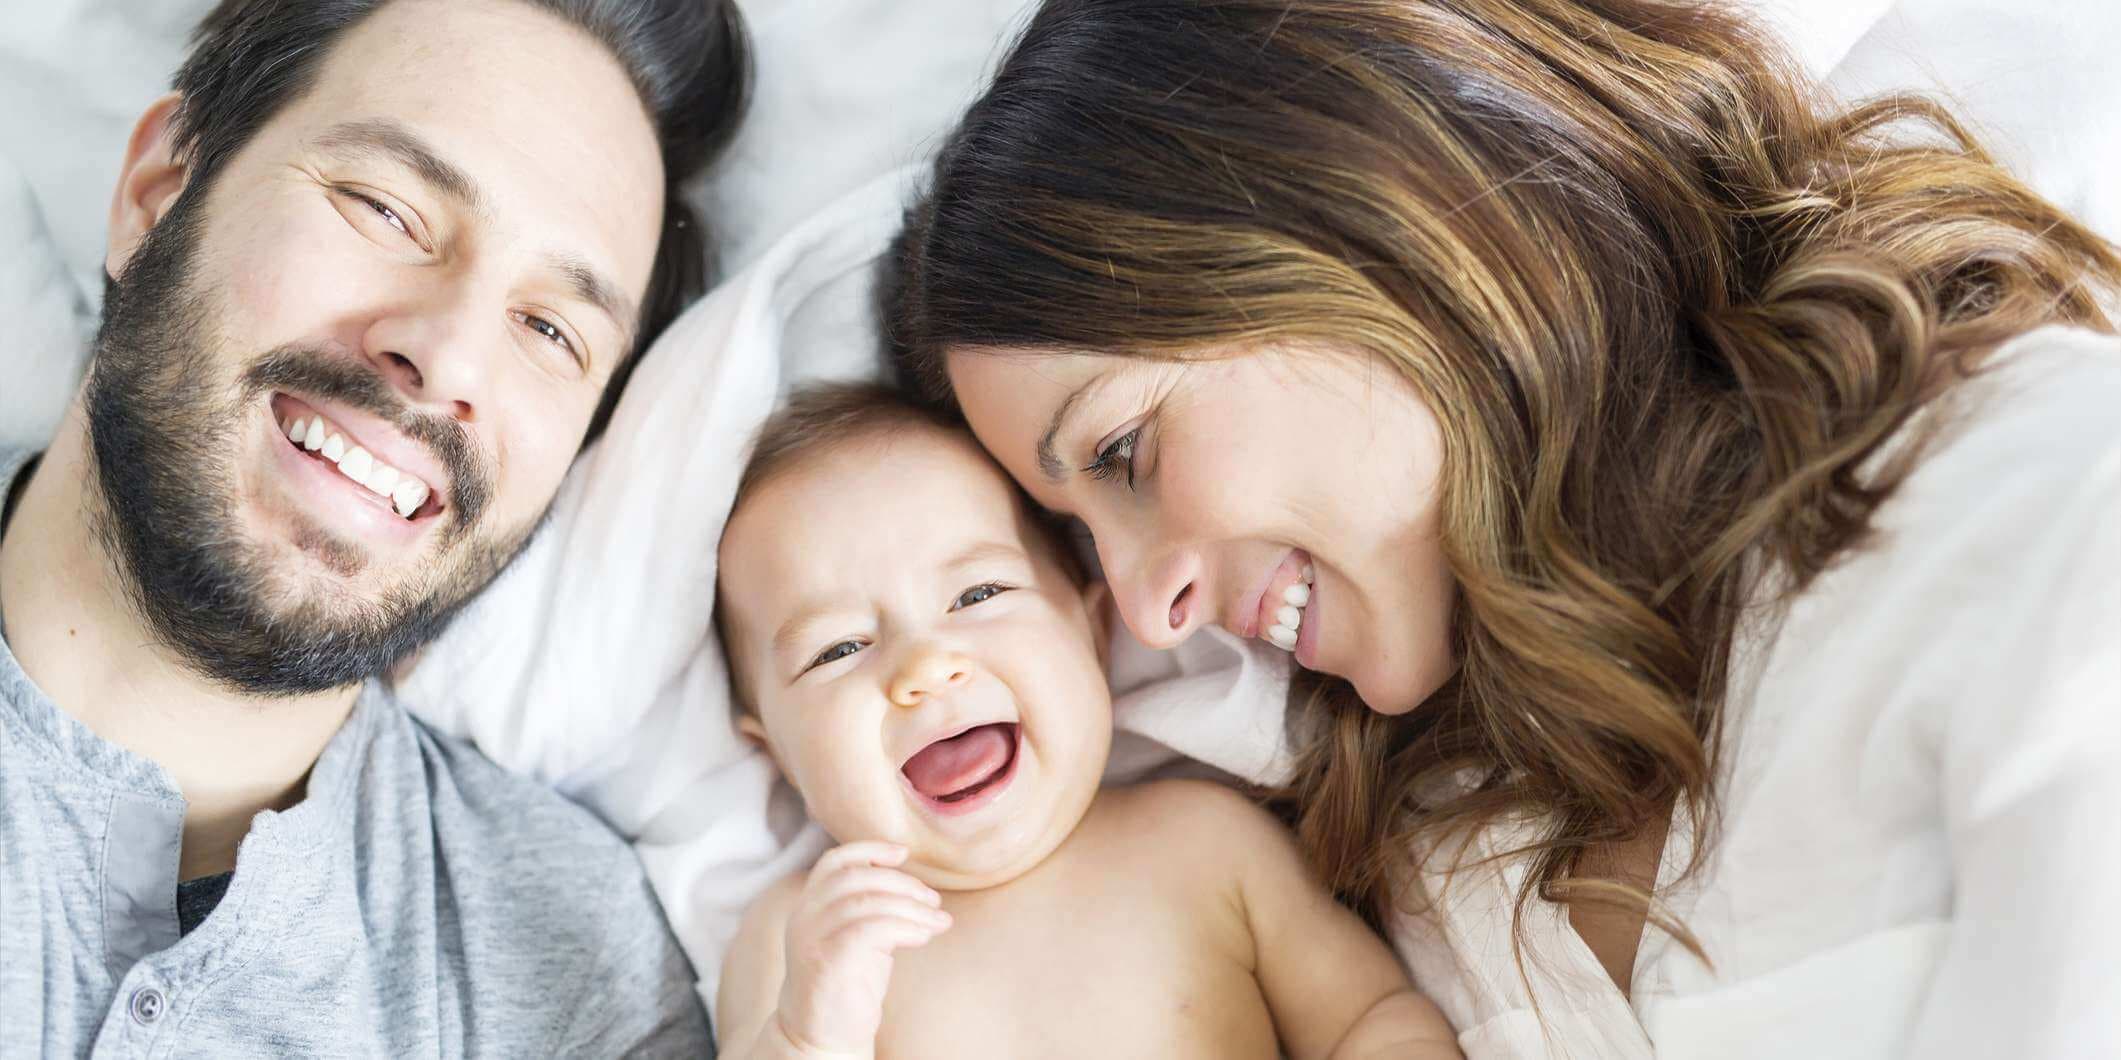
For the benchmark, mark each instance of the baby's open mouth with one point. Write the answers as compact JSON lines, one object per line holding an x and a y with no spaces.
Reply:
{"x":957,"y":769}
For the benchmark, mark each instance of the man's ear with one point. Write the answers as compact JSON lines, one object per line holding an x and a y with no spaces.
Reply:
{"x":148,"y":184}
{"x":1097,"y":603}
{"x":753,"y":731}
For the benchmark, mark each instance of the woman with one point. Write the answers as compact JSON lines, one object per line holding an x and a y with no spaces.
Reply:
{"x":1699,"y":528}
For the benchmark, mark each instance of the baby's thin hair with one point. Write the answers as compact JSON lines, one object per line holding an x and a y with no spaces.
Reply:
{"x":824,"y":416}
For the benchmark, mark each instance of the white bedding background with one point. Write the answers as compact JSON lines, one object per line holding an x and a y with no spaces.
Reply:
{"x":591,"y":663}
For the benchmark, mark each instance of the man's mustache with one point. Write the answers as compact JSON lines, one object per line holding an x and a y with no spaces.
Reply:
{"x":320,"y":373}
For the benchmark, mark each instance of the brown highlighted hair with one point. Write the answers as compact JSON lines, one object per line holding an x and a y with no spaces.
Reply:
{"x":1665,"y":301}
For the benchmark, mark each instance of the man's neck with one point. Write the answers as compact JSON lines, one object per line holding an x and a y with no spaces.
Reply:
{"x":78,"y":637}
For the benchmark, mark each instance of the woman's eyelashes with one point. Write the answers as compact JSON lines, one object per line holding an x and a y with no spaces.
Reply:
{"x":1116,"y":458}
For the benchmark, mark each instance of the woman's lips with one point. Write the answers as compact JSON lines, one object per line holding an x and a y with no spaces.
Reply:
{"x":1283,"y":605}
{"x":1256,"y":614}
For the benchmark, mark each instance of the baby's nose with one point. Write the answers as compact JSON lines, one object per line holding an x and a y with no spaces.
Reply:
{"x":928,"y":671}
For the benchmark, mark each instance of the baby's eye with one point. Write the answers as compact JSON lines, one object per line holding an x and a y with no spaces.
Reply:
{"x":979,"y":594}
{"x":834,"y":654}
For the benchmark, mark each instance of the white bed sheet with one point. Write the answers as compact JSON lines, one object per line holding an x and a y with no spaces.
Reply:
{"x":591,"y":664}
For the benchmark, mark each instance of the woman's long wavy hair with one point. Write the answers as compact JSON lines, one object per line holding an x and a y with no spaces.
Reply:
{"x":1665,"y":302}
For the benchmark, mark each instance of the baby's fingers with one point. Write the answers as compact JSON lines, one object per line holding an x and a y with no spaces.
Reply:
{"x":873,"y":905}
{"x":884,"y":934}
{"x":870,"y":880}
{"x":867,"y":852}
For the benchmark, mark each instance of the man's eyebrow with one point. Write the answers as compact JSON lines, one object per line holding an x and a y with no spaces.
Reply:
{"x":405,"y":147}
{"x":1049,"y":462}
{"x":593,"y":287}
{"x":387,"y":137}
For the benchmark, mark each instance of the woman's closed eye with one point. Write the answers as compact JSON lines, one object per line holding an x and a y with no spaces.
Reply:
{"x":1117,"y":457}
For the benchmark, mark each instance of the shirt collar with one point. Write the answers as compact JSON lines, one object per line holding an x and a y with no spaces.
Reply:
{"x":329,"y":793}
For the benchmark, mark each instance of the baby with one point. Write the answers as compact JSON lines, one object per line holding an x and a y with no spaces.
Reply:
{"x":922,"y":661}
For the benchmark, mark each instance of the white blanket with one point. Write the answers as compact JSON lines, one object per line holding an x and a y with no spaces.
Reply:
{"x":591,"y":663}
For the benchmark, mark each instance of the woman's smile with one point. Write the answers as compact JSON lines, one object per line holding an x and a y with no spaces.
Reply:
{"x":1253,"y":457}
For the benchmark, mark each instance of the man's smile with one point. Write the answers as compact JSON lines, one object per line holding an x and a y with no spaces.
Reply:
{"x":338,"y":465}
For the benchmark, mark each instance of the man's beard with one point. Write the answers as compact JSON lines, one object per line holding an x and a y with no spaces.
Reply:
{"x":165,"y":447}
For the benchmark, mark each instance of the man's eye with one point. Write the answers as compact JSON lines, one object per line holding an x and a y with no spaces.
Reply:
{"x":389,"y":216}
{"x":834,"y":654}
{"x":979,"y":594}
{"x":549,"y":330}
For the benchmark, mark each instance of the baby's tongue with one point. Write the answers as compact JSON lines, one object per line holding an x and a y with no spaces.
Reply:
{"x":946,"y":767}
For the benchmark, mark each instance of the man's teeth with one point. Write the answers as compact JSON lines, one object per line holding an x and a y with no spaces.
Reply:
{"x":406,"y":493}
{"x":1289,"y":617}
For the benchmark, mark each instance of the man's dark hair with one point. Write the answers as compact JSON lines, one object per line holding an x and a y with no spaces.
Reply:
{"x":687,"y":59}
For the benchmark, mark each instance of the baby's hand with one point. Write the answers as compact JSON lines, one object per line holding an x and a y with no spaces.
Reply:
{"x":856,"y":908}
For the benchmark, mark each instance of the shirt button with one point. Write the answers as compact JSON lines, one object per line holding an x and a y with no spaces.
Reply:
{"x":148,"y":1005}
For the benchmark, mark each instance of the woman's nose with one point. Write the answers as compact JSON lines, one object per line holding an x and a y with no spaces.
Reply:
{"x":1159,"y":596}
{"x":926,"y":671}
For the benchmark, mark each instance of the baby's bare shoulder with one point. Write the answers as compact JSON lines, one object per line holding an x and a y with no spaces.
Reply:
{"x":1198,"y":818}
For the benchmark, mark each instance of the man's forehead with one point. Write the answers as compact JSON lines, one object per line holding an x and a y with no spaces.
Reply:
{"x":537,"y":111}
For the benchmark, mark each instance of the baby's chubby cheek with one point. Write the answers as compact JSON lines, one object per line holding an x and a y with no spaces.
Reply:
{"x":853,"y":800}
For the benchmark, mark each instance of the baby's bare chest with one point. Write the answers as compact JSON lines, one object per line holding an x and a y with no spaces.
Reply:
{"x":1118,"y":973}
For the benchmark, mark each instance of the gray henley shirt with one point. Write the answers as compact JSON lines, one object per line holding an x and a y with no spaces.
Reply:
{"x":419,"y":901}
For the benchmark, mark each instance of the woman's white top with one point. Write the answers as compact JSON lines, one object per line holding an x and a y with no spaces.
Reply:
{"x":1919,"y":852}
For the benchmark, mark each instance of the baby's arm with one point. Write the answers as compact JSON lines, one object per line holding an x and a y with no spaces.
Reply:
{"x":807,"y":974}
{"x":1334,"y":988}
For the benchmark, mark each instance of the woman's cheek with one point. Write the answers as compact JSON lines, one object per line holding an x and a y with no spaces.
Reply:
{"x":1405,"y":668}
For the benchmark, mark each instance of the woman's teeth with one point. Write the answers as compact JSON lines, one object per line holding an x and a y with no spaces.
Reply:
{"x":405,"y":493}
{"x":1289,"y":618}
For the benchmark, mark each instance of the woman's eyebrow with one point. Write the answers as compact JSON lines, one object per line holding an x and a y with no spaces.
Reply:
{"x":1049,"y":462}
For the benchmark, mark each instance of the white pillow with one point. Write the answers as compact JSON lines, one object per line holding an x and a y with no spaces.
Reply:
{"x":49,"y":325}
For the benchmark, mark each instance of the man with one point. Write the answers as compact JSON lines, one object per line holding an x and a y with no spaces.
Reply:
{"x":379,"y":266}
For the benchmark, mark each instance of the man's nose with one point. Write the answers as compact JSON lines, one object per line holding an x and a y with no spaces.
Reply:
{"x":928,"y":670}
{"x":435,"y":351}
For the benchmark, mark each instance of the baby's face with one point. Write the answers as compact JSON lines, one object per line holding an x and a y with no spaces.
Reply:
{"x":924,"y":669}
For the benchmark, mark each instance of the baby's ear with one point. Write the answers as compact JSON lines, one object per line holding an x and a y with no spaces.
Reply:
{"x":753,"y":731}
{"x":1097,"y":603}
